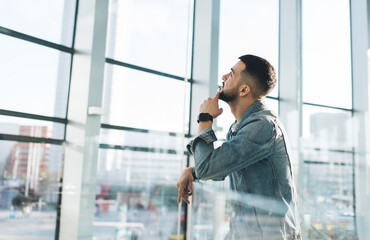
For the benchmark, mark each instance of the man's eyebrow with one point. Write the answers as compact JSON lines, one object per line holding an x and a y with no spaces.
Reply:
{"x":232,"y":70}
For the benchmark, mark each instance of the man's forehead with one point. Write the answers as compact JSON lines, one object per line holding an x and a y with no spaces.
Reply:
{"x":239,"y":66}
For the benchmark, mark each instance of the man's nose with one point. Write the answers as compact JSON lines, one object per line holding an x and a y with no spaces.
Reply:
{"x":225,"y":76}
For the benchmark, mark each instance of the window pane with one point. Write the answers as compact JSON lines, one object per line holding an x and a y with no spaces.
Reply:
{"x":49,"y":20}
{"x":252,"y":29}
{"x":143,"y":100}
{"x":272,"y":104}
{"x":327,"y":128}
{"x":36,"y":78}
{"x":139,"y":139}
{"x":326,"y":53}
{"x":151,"y":34}
{"x":29,"y":186}
{"x":136,"y":195}
{"x":327,"y":203}
{"x":31,"y":128}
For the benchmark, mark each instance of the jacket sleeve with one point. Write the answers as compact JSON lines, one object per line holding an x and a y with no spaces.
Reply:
{"x":252,"y":143}
{"x":209,"y":137}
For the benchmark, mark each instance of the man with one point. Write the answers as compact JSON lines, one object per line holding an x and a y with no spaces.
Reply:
{"x":255,"y":155}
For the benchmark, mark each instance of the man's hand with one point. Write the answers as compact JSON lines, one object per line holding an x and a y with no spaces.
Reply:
{"x":186,"y":179}
{"x":211,"y":106}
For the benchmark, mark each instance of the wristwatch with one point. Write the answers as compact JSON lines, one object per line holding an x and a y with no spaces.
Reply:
{"x":204,"y":117}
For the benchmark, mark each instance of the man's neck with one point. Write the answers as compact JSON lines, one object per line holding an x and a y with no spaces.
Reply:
{"x":238,"y":108}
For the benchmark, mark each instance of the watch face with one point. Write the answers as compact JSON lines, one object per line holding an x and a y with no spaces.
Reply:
{"x":204,"y":117}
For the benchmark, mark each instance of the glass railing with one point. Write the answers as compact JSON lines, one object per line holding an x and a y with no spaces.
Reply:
{"x":219,"y":214}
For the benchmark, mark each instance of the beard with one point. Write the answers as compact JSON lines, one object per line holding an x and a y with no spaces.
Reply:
{"x":228,"y":97}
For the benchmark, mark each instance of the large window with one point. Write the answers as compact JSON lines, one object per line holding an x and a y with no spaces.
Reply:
{"x":36,"y":45}
{"x":139,"y":99}
{"x":147,"y":94}
{"x":151,"y":34}
{"x":37,"y":77}
{"x":328,"y":159}
{"x":43,"y":19}
{"x":326,"y":53}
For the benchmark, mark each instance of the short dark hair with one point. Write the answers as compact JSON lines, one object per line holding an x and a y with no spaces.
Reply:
{"x":262,"y":73}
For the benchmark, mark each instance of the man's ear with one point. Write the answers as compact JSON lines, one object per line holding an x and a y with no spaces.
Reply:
{"x":245,"y":90}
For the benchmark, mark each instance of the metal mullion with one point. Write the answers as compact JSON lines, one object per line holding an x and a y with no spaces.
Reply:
{"x":327,"y":106}
{"x":273,"y":98}
{"x":137,"y":149}
{"x":191,"y":78}
{"x":127,"y":65}
{"x":140,"y":130}
{"x":32,"y":116}
{"x":70,"y":73}
{"x":327,"y":163}
{"x":36,"y":40}
{"x":18,"y":138}
{"x":59,"y":204}
{"x":329,"y":150}
{"x":88,"y":71}
{"x":354,"y":205}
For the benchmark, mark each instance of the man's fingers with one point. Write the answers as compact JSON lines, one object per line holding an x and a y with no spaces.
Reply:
{"x":183,"y":194}
{"x":217,"y":95}
{"x":185,"y":199}
{"x":179,"y":196}
{"x":188,"y":194}
{"x":220,"y":111}
{"x":190,"y":186}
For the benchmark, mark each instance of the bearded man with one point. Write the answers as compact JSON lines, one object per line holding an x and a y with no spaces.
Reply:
{"x":256,"y":155}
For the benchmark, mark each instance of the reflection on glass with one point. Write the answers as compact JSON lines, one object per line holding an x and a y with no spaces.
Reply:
{"x":327,"y":128}
{"x":252,"y":29}
{"x":31,"y":128}
{"x":326,"y":53}
{"x":142,"y":100}
{"x":219,"y":214}
{"x":327,"y":200}
{"x":29,"y":186}
{"x":48,"y":20}
{"x":36,"y":78}
{"x":151,"y":34}
{"x":136,"y":195}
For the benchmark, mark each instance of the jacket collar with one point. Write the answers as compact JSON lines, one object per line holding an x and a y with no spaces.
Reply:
{"x":255,"y":107}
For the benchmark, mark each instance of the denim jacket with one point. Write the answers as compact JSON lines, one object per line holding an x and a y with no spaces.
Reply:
{"x":256,"y":157}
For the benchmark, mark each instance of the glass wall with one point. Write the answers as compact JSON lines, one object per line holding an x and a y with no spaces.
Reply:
{"x":147,"y":96}
{"x":36,"y":45}
{"x":327,"y":190}
{"x":326,"y":158}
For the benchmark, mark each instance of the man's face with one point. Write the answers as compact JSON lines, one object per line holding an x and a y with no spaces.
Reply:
{"x":231,"y":83}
